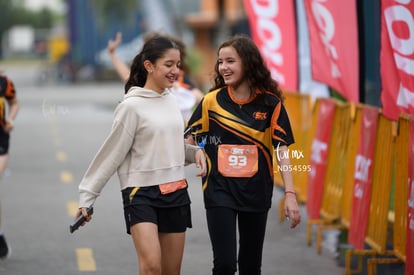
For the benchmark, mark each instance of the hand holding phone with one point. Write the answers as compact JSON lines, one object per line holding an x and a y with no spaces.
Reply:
{"x":80,"y":220}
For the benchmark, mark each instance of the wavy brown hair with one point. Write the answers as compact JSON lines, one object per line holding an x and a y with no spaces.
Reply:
{"x":255,"y":71}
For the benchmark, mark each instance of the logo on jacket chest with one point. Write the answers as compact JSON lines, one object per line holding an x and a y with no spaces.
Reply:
{"x":260,"y":115}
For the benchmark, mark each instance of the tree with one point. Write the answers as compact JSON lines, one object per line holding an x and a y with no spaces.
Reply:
{"x":107,"y":10}
{"x":14,"y":13}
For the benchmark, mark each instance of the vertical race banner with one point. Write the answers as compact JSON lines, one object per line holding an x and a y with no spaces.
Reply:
{"x":409,"y":263}
{"x":333,"y":32}
{"x":397,"y":57}
{"x":273,"y":27}
{"x":307,"y":85}
{"x":363,"y":177}
{"x":319,"y":156}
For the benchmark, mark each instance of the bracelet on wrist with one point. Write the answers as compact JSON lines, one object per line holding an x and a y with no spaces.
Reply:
{"x":290,"y":192}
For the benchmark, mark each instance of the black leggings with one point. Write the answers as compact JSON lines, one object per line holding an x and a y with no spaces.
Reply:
{"x":222,"y":229}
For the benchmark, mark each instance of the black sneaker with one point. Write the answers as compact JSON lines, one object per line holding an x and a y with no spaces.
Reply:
{"x":5,"y":250}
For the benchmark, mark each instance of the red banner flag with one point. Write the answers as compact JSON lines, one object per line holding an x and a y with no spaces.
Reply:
{"x":273,"y":28}
{"x":319,"y":157}
{"x":363,"y":177}
{"x":397,"y":57}
{"x":410,"y":218}
{"x":333,"y":36}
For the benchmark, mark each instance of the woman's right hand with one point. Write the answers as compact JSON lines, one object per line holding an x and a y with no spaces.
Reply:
{"x":83,"y":211}
{"x":113,"y":44}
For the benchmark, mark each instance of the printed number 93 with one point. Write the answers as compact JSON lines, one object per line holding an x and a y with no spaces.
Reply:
{"x":240,"y":161}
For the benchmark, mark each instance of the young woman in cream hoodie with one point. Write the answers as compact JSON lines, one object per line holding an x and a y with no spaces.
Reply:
{"x":146,"y":148}
{"x":187,"y":94}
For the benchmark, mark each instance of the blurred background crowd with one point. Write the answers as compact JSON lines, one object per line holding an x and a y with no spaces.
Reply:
{"x":70,"y":36}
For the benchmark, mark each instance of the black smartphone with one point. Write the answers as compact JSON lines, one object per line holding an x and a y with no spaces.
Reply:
{"x":81,"y":219}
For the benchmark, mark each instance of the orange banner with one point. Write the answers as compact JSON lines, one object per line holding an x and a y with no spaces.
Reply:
{"x":273,"y":28}
{"x":397,"y":57}
{"x":319,"y":156}
{"x":363,"y":177}
{"x":333,"y":36}
{"x":410,"y":218}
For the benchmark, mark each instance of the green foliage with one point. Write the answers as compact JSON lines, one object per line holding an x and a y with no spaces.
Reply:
{"x":42,"y":19}
{"x":114,"y":10}
{"x":194,"y":60}
{"x":6,"y":15}
{"x":14,"y":13}
{"x":336,"y":95}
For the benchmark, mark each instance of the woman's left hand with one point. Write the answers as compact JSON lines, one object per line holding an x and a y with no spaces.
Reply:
{"x":292,"y":210}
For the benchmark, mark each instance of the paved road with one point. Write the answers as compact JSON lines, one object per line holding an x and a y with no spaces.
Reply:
{"x":58,"y":131}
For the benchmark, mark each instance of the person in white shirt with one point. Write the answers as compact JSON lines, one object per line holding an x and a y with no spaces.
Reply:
{"x":186,"y":93}
{"x":146,"y":147}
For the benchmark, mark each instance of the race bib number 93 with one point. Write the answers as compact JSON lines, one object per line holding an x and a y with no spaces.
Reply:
{"x":237,"y":161}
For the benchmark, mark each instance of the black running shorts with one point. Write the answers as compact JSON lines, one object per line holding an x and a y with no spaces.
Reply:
{"x":4,"y":142}
{"x":168,"y":219}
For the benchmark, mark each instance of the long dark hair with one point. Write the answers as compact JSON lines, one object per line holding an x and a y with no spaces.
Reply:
{"x":180,"y":44}
{"x":153,"y":49}
{"x":255,"y":71}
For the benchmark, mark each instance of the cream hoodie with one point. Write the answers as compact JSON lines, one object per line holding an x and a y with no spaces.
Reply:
{"x":145,"y":145}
